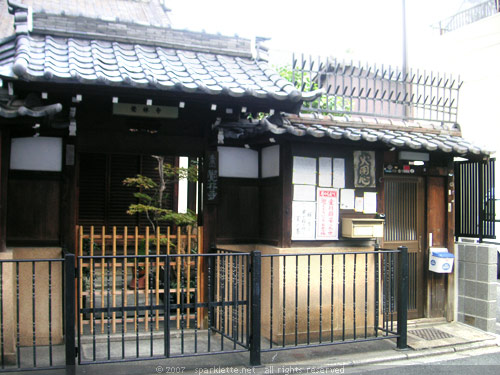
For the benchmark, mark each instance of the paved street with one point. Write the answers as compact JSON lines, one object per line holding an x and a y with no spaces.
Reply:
{"x":467,"y":363}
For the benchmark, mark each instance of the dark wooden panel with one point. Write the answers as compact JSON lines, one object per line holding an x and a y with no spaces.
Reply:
{"x":238,"y":210}
{"x":120,"y":196}
{"x":92,"y":189}
{"x":33,"y":210}
{"x":270,"y":206}
{"x":436,"y":211}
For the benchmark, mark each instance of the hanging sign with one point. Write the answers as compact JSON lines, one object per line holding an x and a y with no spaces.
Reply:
{"x":327,"y":218}
{"x":212,"y":187}
{"x":364,"y":169}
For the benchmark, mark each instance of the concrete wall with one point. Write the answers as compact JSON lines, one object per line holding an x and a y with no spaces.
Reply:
{"x":23,"y":320}
{"x":477,"y":287}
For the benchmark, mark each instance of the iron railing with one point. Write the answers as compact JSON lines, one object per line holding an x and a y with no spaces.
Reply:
{"x":322,"y":299}
{"x":475,"y":199}
{"x":468,"y":16}
{"x":248,"y":302}
{"x":385,"y":91}
{"x":36,"y":321}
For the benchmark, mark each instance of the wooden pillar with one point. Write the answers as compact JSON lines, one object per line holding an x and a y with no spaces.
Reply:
{"x":4,"y":169}
{"x":191,"y":204}
{"x":69,"y":197}
{"x":450,"y":192}
{"x":286,"y":161}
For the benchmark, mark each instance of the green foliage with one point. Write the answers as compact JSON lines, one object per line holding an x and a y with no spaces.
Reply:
{"x":151,"y":197}
{"x":304,"y":82}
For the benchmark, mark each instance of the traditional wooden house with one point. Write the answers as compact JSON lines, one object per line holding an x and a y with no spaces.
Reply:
{"x":86,"y":101}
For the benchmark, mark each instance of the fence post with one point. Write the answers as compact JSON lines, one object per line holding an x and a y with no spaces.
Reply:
{"x":403,"y":291}
{"x":255,"y":309}
{"x":69,"y":312}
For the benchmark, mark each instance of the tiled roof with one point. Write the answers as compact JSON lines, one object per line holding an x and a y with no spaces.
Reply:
{"x":145,"y":12}
{"x":30,"y":106}
{"x":399,"y":134}
{"x":72,"y":60}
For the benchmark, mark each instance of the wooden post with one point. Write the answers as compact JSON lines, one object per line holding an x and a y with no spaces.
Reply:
{"x":103,"y":253}
{"x":125,"y":276}
{"x":79,"y":253}
{"x":92,"y":270}
{"x":146,"y":283}
{"x":113,"y":282}
{"x":157,"y":279}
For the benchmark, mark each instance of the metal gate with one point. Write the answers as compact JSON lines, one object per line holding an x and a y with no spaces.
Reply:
{"x":475,"y":197}
{"x":153,"y":306}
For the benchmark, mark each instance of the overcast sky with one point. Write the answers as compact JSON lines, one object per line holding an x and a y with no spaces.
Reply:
{"x":365,"y":30}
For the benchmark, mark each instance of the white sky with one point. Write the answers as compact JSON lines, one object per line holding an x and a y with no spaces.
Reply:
{"x":365,"y":30}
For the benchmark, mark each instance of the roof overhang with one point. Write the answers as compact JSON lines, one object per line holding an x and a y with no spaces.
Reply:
{"x":398,"y":134}
{"x":47,"y":59}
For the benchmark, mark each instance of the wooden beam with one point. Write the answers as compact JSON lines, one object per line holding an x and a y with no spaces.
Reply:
{"x":134,"y":143}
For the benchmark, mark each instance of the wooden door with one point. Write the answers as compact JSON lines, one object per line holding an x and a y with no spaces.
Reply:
{"x":405,"y":226}
{"x":437,"y":225}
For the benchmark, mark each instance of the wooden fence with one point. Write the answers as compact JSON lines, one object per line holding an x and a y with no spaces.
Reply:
{"x":111,"y":280}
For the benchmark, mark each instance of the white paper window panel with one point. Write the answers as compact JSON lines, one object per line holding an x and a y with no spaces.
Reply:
{"x":270,"y":161}
{"x":36,"y":154}
{"x":238,"y":162}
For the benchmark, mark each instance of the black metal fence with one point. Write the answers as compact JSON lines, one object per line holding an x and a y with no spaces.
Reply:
{"x":250,"y":303}
{"x":34,"y":329}
{"x":475,"y":199}
{"x":329,"y":298}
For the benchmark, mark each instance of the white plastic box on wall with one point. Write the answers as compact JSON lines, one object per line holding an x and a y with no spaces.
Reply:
{"x":440,"y":260}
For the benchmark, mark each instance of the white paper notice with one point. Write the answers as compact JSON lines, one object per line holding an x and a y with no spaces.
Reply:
{"x":327,"y":224}
{"x":325,"y":172}
{"x":347,"y":199}
{"x":338,"y":173}
{"x":304,"y":193}
{"x":303,"y":220}
{"x":304,"y":170}
{"x":358,"y":204}
{"x":370,"y":204}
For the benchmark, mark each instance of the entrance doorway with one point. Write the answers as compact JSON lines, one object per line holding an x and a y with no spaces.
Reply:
{"x":405,"y":226}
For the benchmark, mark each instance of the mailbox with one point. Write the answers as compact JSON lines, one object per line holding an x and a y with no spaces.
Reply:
{"x":362,"y":228}
{"x":440,"y":260}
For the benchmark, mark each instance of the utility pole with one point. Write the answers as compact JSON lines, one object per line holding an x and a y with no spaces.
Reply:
{"x":405,"y":60}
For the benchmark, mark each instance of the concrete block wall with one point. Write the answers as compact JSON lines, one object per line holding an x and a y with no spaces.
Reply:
{"x":477,"y":285}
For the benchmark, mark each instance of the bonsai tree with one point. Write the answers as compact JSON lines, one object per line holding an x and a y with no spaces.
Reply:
{"x":151,"y":196}
{"x":151,"y":201}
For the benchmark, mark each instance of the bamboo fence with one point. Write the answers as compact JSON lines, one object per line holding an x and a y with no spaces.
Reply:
{"x":101,"y":280}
